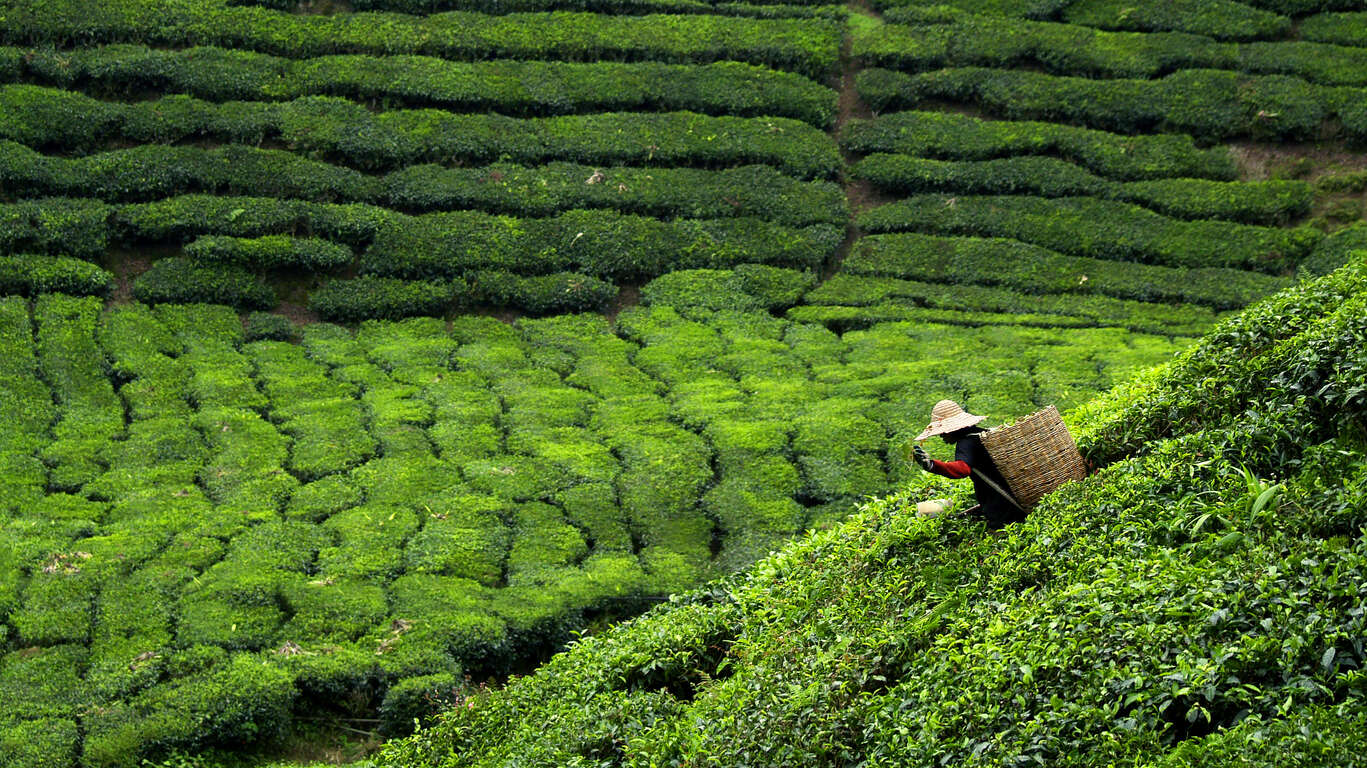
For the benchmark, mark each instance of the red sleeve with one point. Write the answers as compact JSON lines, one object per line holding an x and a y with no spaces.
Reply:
{"x":951,"y":469}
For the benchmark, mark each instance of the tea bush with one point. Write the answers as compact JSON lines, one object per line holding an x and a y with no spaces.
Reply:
{"x":1099,"y":229}
{"x":342,"y":130}
{"x":182,"y":280}
{"x":1070,"y":49}
{"x":807,"y":46}
{"x":1034,"y":270}
{"x":1220,"y":19}
{"x":950,"y":136}
{"x":1339,"y":28}
{"x":528,"y":88}
{"x":1267,"y":202}
{"x":1211,"y":105}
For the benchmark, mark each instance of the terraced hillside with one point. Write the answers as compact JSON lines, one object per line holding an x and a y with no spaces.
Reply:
{"x":352,"y":350}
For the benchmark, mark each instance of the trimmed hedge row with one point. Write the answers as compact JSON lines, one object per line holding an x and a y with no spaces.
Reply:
{"x":156,"y":171}
{"x":1335,"y":251}
{"x":544,"y":294}
{"x":30,"y":274}
{"x":807,"y":46}
{"x":1068,"y":49}
{"x":178,"y":280}
{"x":1208,"y":104}
{"x":842,"y":319}
{"x":55,"y":226}
{"x":1034,"y":270}
{"x":269,"y":252}
{"x":89,"y":415}
{"x":1265,"y":202}
{"x":1220,"y":19}
{"x":602,"y":244}
{"x":747,"y":288}
{"x":950,"y":136}
{"x":339,"y":129}
{"x":753,"y":190}
{"x":383,"y":298}
{"x":860,"y":291}
{"x":1104,"y":229}
{"x":1337,"y":28}
{"x":764,"y":9}
{"x":525,"y":88}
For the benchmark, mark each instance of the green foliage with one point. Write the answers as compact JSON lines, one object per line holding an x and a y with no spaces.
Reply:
{"x":182,"y":281}
{"x":362,"y":298}
{"x":950,"y":136}
{"x":544,"y":294}
{"x":45,"y":743}
{"x":32,"y":274}
{"x":748,"y":287}
{"x":510,"y":87}
{"x":1220,"y":19}
{"x":269,"y":252}
{"x":329,"y":127}
{"x":807,"y":46}
{"x":600,"y":243}
{"x":1268,"y":202}
{"x":1082,"y":50}
{"x":1338,"y":28}
{"x":1034,"y":270}
{"x":1334,"y":251}
{"x":1098,"y":229}
{"x":55,"y":226}
{"x":1211,"y":105}
{"x":152,"y":171}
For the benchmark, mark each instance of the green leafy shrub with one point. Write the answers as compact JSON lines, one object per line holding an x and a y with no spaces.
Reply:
{"x":747,"y":287}
{"x":600,"y":243}
{"x":950,"y":136}
{"x":505,"y":86}
{"x":1098,"y":229}
{"x":263,"y":326}
{"x":1034,"y":270}
{"x":182,"y":281}
{"x":363,"y":298}
{"x":269,"y":252}
{"x":1339,"y":28}
{"x":1208,"y":104}
{"x":44,"y":743}
{"x":55,"y":226}
{"x":545,"y":294}
{"x":1269,"y":202}
{"x":30,"y":274}
{"x":808,"y":46}
{"x":329,"y":127}
{"x":1334,"y":251}
{"x":1220,"y":19}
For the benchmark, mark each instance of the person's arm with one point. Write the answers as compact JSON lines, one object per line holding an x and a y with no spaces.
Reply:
{"x":954,"y":470}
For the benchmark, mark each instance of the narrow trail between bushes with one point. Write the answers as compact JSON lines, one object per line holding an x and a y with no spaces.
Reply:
{"x":859,"y":194}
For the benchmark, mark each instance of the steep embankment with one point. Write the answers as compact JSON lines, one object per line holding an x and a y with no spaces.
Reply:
{"x":1198,"y":601}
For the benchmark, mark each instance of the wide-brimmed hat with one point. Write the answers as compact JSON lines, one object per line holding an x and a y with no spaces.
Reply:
{"x":948,"y":417}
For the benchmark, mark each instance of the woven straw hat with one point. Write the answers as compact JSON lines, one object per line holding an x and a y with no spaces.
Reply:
{"x":948,"y":417}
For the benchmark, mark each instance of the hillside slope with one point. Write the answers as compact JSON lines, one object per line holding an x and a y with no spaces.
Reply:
{"x":1199,"y":601}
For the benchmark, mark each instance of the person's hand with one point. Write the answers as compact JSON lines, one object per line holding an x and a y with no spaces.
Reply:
{"x":919,"y":455}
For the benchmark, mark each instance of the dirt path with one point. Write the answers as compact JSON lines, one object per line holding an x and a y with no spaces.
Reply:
{"x":859,"y":194}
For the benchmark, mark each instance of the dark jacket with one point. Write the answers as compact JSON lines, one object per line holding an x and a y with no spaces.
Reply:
{"x":969,"y":454}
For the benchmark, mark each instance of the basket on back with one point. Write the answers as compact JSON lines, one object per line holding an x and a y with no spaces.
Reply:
{"x":1035,"y":455}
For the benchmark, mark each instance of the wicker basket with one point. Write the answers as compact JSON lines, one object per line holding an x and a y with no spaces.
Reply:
{"x":1035,"y":455}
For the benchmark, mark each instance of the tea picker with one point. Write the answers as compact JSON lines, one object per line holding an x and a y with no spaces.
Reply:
{"x":1011,"y":467}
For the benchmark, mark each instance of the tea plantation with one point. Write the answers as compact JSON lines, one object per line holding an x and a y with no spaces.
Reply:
{"x":354,"y":356}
